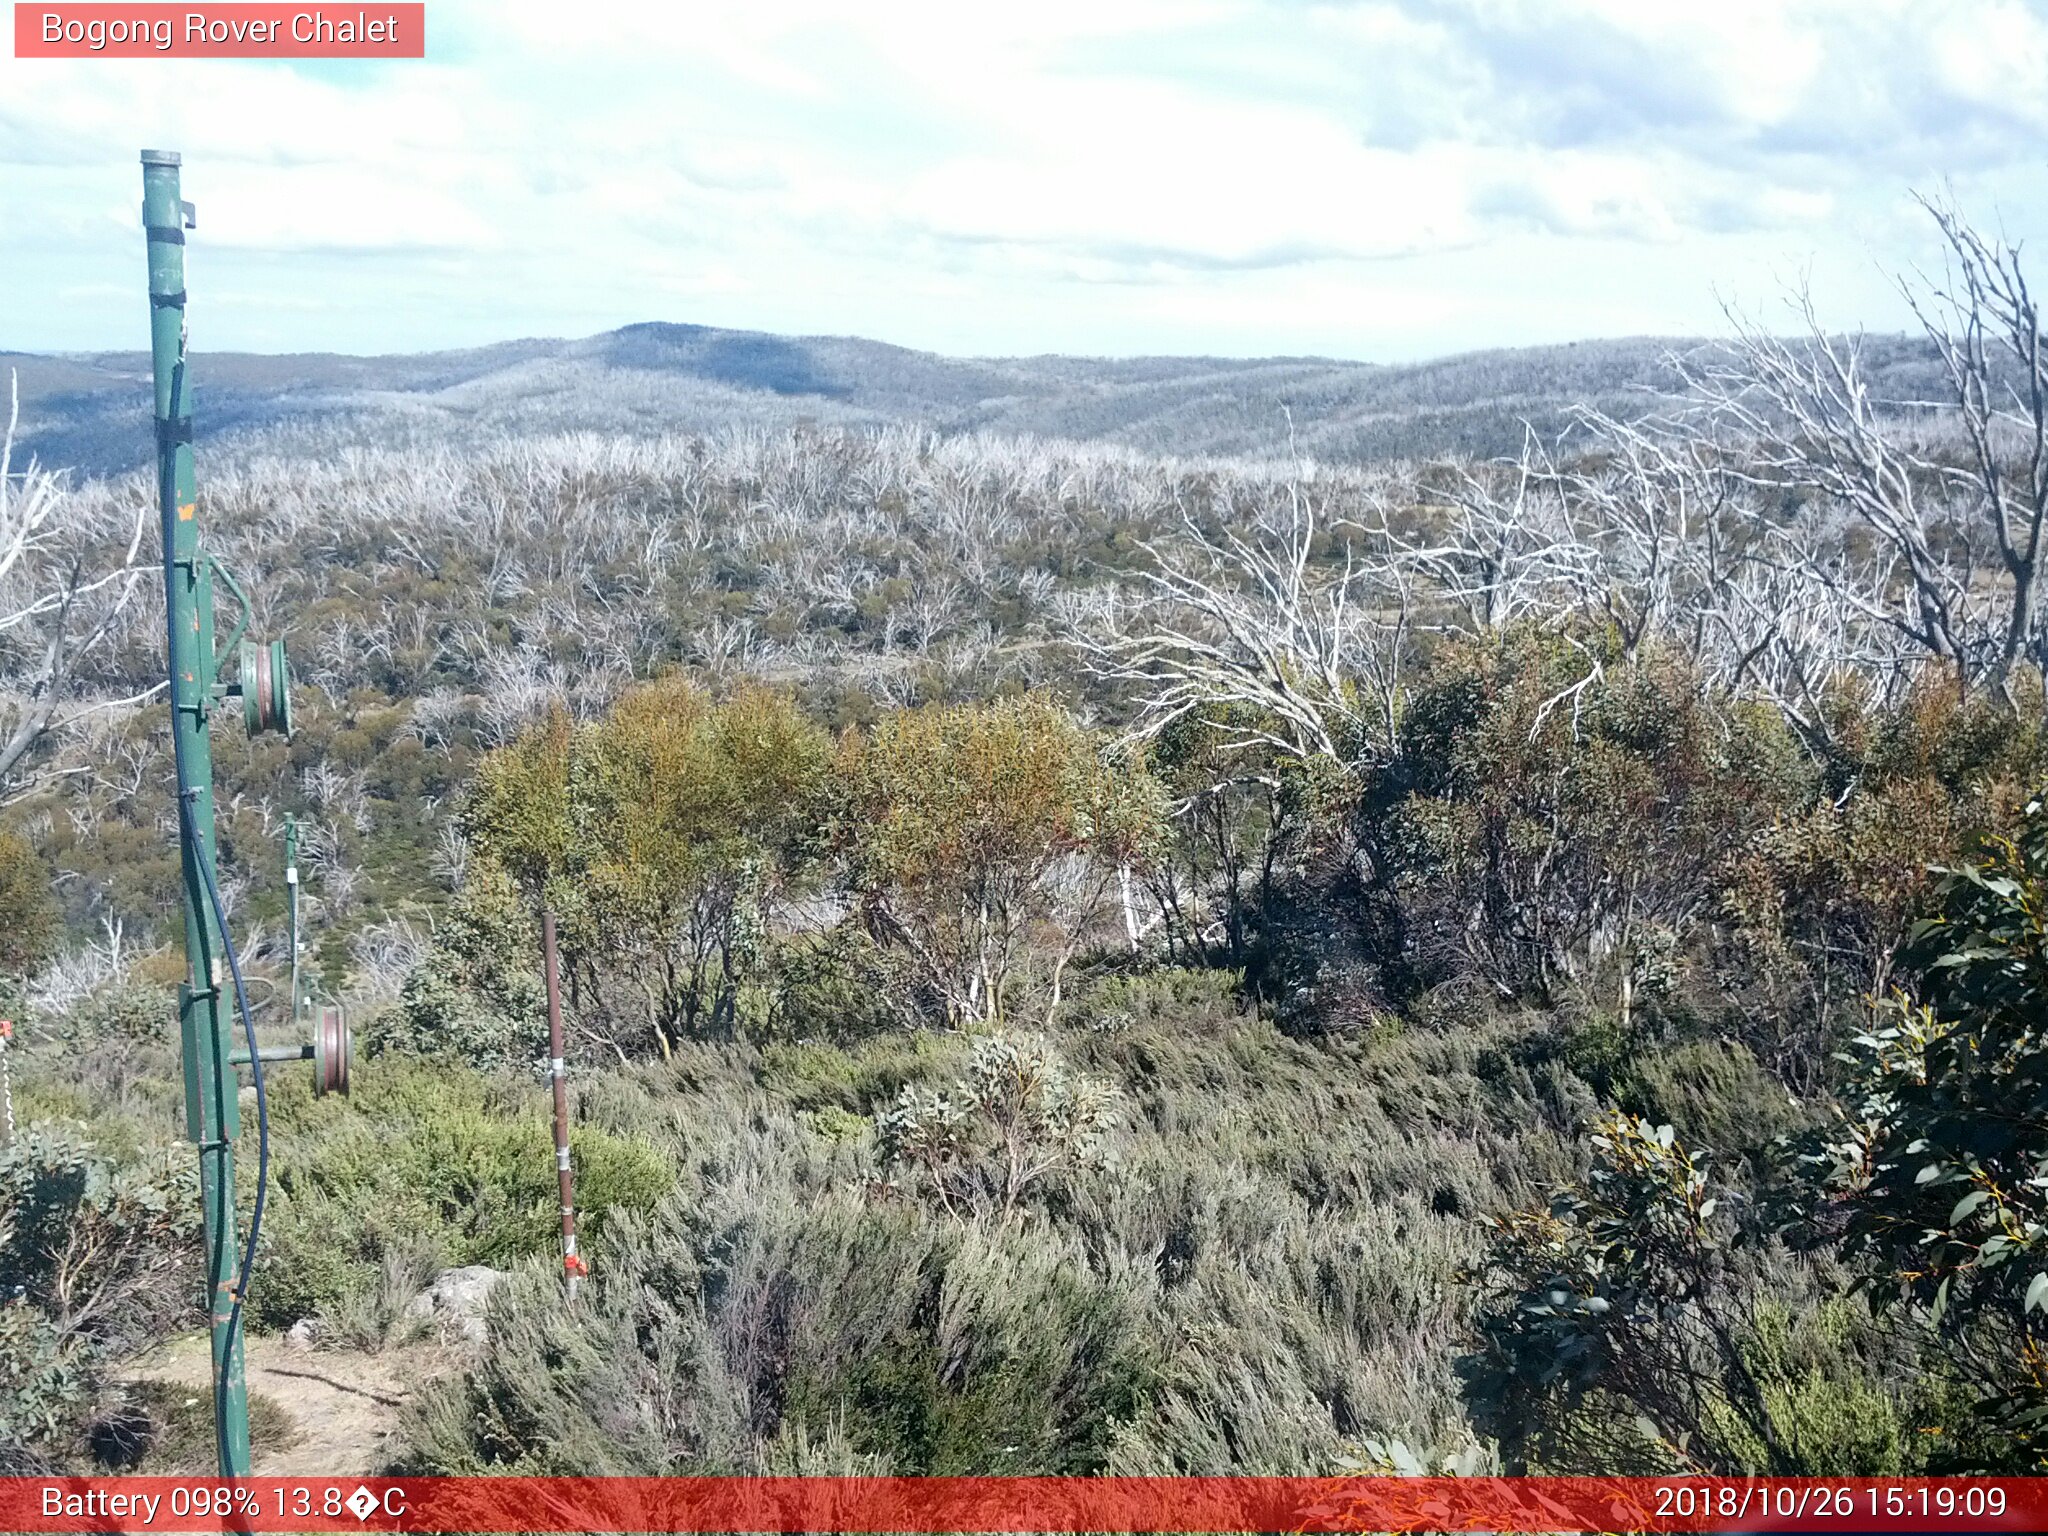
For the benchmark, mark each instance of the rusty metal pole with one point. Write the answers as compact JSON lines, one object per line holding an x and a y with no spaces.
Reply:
{"x":573,"y":1266}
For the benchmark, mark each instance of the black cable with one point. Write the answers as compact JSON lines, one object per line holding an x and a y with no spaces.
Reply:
{"x":189,"y":826}
{"x":220,"y":917}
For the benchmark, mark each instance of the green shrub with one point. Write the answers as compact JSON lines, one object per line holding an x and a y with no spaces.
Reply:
{"x":835,"y":985}
{"x":477,"y":997}
{"x":1942,"y":1158}
{"x":30,"y":921}
{"x":1552,"y":809}
{"x":97,"y":1259}
{"x":836,"y":1124}
{"x":1599,"y":1047}
{"x":1821,"y":1394}
{"x":1714,"y":1092}
{"x":46,"y":1385}
{"x":1017,"y":1118}
{"x":104,"y":1249}
{"x":162,"y":1428}
{"x":954,"y":821}
{"x":435,"y":1152}
{"x":306,"y":1263}
{"x":862,"y":1077}
{"x":122,"y":1010}
{"x":999,"y":1359}
{"x":1647,"y":1321}
{"x":1172,"y":997}
{"x":705,"y":1347}
{"x":1623,"y":1292}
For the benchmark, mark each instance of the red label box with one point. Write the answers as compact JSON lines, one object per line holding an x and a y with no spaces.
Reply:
{"x":1189,"y":1506}
{"x":240,"y":31}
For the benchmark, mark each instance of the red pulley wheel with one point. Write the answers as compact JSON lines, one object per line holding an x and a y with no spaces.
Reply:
{"x":330,"y":1051}
{"x":266,"y":688}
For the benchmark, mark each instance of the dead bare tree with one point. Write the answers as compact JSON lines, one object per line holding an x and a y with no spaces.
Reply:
{"x":1815,"y":426}
{"x":57,"y":606}
{"x":1306,"y":638}
{"x":1951,"y":492}
{"x":1984,"y":322}
{"x":1671,"y":529}
{"x":1505,"y":549}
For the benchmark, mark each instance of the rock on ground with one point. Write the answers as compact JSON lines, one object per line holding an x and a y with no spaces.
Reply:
{"x":457,"y":1298}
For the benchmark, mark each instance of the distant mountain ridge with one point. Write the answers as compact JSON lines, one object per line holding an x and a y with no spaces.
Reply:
{"x":89,"y":411}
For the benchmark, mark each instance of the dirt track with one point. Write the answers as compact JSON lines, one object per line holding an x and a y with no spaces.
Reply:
{"x":343,"y":1405}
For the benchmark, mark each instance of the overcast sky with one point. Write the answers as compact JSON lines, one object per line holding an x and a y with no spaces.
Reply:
{"x":1374,"y":180}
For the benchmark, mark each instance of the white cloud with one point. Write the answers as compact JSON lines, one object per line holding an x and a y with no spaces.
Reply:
{"x":1078,"y":174}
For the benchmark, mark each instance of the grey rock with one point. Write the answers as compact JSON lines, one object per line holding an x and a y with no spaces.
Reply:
{"x":457,"y":1299}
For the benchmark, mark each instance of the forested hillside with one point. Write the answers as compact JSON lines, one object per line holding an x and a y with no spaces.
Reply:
{"x":91,"y":411}
{"x":1081,"y":958}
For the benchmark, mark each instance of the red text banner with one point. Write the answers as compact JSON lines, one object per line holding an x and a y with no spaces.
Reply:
{"x":1018,"y":1504}
{"x":234,"y":31}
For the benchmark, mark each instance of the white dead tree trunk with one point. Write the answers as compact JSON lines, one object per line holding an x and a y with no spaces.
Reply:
{"x":56,"y":608}
{"x":1505,"y":549}
{"x":1951,"y":492}
{"x":1283,"y":644}
{"x":1815,"y":426}
{"x":1985,"y":323}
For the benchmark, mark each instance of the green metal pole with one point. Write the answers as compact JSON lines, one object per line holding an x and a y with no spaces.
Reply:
{"x":211,"y":1117}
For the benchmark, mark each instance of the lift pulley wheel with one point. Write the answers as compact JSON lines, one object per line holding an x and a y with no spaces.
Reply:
{"x":330,"y":1050}
{"x":266,"y":688}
